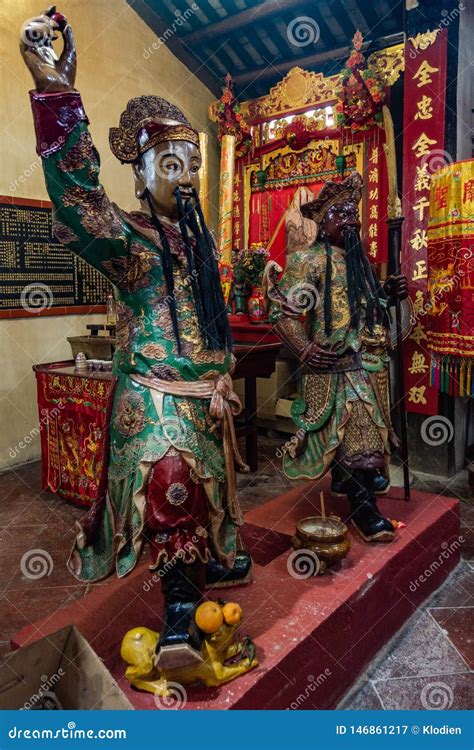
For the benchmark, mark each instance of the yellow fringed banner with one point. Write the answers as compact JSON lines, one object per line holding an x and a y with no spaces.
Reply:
{"x":450,"y":318}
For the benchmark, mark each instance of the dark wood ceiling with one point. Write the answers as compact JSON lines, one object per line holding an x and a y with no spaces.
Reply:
{"x":258,"y":41}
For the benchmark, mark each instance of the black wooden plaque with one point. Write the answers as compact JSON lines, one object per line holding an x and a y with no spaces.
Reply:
{"x":36,"y":269}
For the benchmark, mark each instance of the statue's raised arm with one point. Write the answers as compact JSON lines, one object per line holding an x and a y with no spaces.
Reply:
{"x":84,"y":218}
{"x":50,"y":73}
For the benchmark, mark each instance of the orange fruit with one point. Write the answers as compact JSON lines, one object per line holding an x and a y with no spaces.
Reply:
{"x":209,"y":617}
{"x":232,"y":613}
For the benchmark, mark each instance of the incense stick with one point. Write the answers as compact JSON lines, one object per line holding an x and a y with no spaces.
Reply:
{"x":323,"y":509}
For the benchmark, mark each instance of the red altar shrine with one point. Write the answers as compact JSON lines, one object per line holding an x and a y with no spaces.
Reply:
{"x":312,"y":128}
{"x":291,"y":141}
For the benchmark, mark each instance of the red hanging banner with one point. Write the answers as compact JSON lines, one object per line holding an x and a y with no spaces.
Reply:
{"x":238,"y":206}
{"x":376,"y":191}
{"x":423,"y":154}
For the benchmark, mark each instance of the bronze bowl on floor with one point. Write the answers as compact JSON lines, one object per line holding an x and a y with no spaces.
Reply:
{"x":326,"y":537}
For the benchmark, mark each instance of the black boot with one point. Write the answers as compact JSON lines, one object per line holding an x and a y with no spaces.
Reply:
{"x":180,"y":640}
{"x":380,"y":484}
{"x":365,"y":515}
{"x":218,"y":576}
{"x":337,"y":480}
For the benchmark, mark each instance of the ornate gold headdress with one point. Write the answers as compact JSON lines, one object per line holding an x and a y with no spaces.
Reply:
{"x":146,"y":121}
{"x":332,"y":194}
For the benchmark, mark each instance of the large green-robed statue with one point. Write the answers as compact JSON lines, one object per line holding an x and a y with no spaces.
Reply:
{"x":171,"y":477}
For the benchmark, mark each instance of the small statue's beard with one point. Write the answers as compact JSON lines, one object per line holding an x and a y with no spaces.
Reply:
{"x":361,"y":283}
{"x":203,"y":273}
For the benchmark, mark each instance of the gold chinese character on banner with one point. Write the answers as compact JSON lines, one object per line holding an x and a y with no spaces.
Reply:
{"x":373,"y":249}
{"x":441,"y":196}
{"x":425,"y":110}
{"x":420,"y":207}
{"x":422,"y":179}
{"x":374,"y":175}
{"x":422,"y":75}
{"x":418,"y":334}
{"x":419,"y":302}
{"x":468,"y":192}
{"x":419,"y":239}
{"x":374,"y":194}
{"x":374,"y":214}
{"x":417,"y":394}
{"x":420,"y":272}
{"x":419,"y":364}
{"x":421,"y":147}
{"x":373,"y":230}
{"x":374,"y":155}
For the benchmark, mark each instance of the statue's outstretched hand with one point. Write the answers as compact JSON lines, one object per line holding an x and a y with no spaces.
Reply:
{"x":396,"y":287}
{"x":319,"y":359}
{"x":50,"y":73}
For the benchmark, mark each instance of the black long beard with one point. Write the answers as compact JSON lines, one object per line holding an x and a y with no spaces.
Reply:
{"x":203,"y":272}
{"x":361,"y":284}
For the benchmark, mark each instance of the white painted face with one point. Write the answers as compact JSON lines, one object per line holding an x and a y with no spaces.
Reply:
{"x":165,"y":167}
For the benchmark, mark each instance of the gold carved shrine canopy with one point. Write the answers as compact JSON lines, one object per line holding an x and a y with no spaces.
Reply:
{"x":254,"y":199}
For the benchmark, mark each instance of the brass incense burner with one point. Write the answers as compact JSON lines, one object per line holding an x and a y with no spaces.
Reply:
{"x":326,"y":536}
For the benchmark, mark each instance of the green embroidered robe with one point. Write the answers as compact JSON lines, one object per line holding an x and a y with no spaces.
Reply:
{"x":125,"y":248}
{"x":342,"y":415}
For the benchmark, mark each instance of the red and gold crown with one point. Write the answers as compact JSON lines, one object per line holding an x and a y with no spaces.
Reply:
{"x":147,"y":121}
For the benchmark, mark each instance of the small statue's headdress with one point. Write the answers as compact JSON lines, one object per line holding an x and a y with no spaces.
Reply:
{"x":332,"y":194}
{"x":148,"y":120}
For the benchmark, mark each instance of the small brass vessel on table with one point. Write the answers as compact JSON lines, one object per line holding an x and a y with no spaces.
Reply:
{"x":326,"y":536}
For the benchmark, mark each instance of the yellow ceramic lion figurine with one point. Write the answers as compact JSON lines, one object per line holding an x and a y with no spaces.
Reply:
{"x":223,"y":657}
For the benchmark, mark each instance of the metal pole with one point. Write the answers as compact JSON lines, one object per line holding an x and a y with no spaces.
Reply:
{"x":394,"y":245}
{"x":395,"y":221}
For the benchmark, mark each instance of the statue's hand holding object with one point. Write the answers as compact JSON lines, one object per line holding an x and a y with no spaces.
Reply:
{"x":50,"y":73}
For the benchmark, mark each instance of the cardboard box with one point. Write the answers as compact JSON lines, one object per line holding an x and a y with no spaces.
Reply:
{"x":283,"y":407}
{"x":63,"y":666}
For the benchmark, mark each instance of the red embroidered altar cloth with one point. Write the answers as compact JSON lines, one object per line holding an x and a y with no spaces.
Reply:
{"x":74,"y":414}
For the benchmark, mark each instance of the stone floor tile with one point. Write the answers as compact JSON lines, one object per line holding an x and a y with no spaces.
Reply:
{"x":363,"y":699}
{"x":457,"y":590}
{"x":432,"y":692}
{"x":458,"y":623}
{"x":421,"y":649}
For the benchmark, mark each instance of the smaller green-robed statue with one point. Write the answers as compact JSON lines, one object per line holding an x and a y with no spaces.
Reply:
{"x":171,"y":478}
{"x":331,"y":311}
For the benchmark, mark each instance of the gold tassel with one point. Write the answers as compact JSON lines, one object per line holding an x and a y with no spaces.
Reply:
{"x":462,"y":374}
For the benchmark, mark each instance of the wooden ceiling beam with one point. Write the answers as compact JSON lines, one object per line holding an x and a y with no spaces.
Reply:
{"x":240,"y":20}
{"x":356,"y":13}
{"x":284,"y":67}
{"x":311,"y":60}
